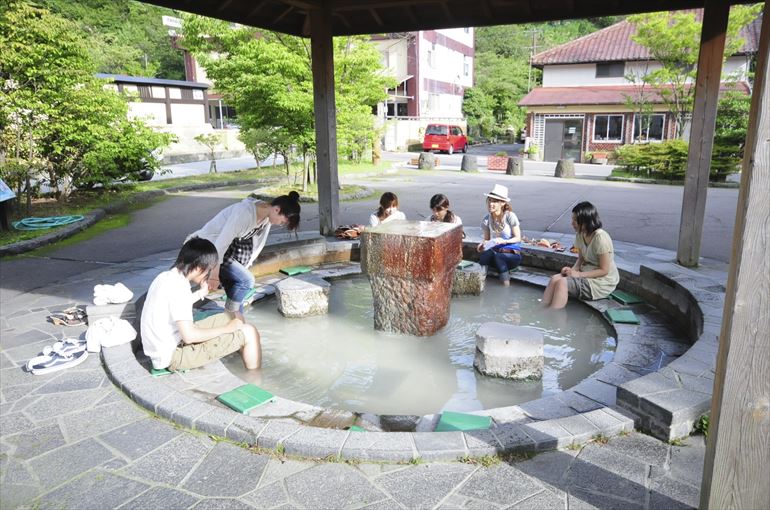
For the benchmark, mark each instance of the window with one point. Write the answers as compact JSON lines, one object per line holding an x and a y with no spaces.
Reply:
{"x":467,"y":30}
{"x":648,"y":127}
{"x":430,"y":58}
{"x":611,"y":70}
{"x":608,"y":128}
{"x":466,"y":66}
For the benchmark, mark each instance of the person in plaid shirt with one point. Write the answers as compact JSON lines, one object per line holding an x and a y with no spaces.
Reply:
{"x":239,"y":233}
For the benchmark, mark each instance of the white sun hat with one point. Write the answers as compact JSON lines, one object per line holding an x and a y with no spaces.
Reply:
{"x":499,"y":192}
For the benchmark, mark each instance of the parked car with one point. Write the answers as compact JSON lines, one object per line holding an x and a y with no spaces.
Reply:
{"x":444,"y":137}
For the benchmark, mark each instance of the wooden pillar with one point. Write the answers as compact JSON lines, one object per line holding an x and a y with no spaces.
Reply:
{"x":322,"y":53}
{"x":712,"y":47}
{"x":735,"y":474}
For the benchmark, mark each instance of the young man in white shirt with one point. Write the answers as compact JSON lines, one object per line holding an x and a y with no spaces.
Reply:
{"x":170,"y":337}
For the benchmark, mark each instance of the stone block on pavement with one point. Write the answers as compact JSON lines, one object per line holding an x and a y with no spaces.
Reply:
{"x":303,"y":296}
{"x":510,"y":352}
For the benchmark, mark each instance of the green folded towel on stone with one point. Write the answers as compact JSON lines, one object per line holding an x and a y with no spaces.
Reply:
{"x":245,"y":398}
{"x":621,"y":316}
{"x":295,"y":270}
{"x":626,"y":298}
{"x":450,"y":421}
{"x":464,"y":263}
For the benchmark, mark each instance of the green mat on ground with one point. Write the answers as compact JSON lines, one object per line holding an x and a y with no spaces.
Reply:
{"x":294,"y":270}
{"x":202,"y":314}
{"x":460,"y":421}
{"x":160,"y":372}
{"x":626,"y":298}
{"x":464,"y":263}
{"x":619,"y":316}
{"x":245,"y":398}
{"x":355,"y":428}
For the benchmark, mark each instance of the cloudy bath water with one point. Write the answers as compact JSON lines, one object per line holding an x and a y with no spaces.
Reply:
{"x":340,"y":361}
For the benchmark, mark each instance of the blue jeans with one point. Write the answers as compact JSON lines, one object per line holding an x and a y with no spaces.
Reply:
{"x":237,"y":282}
{"x":503,"y":262}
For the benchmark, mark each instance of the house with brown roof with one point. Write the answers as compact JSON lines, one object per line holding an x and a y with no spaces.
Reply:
{"x":583,"y":103}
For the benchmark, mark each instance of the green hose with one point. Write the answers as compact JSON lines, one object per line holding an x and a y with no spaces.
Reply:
{"x":34,"y":223}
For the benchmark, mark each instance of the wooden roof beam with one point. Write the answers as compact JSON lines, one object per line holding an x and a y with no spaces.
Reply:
{"x":283,"y":14}
{"x":375,"y":16}
{"x":257,"y":7}
{"x":449,"y":17}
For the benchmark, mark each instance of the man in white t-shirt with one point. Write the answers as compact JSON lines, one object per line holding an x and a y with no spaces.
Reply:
{"x":170,"y":337}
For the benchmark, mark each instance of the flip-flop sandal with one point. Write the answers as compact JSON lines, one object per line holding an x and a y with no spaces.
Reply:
{"x":63,"y":319}
{"x":55,"y":361}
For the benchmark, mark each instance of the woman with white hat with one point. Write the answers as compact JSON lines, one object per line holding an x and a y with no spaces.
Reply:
{"x":502,"y":235}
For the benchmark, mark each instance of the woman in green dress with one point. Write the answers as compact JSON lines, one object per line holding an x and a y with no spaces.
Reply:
{"x":594,"y":274}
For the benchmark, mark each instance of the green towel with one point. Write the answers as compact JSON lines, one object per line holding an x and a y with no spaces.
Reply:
{"x":464,"y":263}
{"x":160,"y":372}
{"x":460,"y":421}
{"x":294,"y":270}
{"x":245,"y":398}
{"x":626,"y":298}
{"x":621,"y":316}
{"x":355,"y":428}
{"x":202,"y":314}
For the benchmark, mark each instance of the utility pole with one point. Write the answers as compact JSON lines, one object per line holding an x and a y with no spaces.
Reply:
{"x":532,"y":51}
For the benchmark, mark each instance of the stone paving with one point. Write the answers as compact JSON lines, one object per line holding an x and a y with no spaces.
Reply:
{"x":72,"y":440}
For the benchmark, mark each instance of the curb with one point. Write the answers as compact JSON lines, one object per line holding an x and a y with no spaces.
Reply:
{"x":641,"y":180}
{"x":97,"y":214}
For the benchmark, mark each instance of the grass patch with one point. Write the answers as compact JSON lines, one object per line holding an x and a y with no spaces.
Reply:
{"x":621,"y":172}
{"x":601,"y":439}
{"x":702,"y":425}
{"x":312,"y":191}
{"x":485,"y":461}
{"x":85,"y":201}
{"x":676,"y":441}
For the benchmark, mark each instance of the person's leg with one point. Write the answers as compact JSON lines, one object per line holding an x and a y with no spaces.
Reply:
{"x":504,"y":262}
{"x":197,"y":355}
{"x":251,"y":352}
{"x":237,"y":282}
{"x":548,"y":294}
{"x":560,"y":294}
{"x":486,"y":257}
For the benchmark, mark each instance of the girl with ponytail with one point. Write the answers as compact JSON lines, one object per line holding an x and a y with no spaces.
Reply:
{"x":239,"y":233}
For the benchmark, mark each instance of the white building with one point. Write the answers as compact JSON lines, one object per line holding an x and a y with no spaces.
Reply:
{"x":583,"y":103}
{"x":433,"y":68}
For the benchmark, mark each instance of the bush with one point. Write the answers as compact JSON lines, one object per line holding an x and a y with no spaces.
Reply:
{"x":501,"y":154}
{"x":665,"y":160}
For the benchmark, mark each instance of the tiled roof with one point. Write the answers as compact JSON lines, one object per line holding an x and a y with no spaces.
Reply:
{"x":614,"y":44}
{"x":609,"y":94}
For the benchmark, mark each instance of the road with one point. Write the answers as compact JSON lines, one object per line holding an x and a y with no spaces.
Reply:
{"x":646,"y":214}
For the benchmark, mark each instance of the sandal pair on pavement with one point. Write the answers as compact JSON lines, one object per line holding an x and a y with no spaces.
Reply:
{"x":73,"y":316}
{"x":69,"y":352}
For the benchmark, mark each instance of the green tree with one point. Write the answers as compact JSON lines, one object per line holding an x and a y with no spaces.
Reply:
{"x":268,"y":78}
{"x":673,"y":39}
{"x":53,"y":109}
{"x":211,"y":141}
{"x":125,"y":36}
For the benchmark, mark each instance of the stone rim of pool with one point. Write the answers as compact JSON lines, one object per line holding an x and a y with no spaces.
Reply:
{"x":661,"y":402}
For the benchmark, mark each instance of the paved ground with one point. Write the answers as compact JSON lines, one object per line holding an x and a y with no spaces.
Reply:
{"x":71,"y":440}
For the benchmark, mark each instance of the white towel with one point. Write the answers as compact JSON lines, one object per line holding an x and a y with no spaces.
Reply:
{"x":106,"y":294}
{"x":108,"y":332}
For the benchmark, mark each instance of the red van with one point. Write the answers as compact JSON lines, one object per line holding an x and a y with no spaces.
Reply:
{"x":444,"y":137}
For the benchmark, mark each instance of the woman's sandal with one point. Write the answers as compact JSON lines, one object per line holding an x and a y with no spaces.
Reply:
{"x":67,"y":319}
